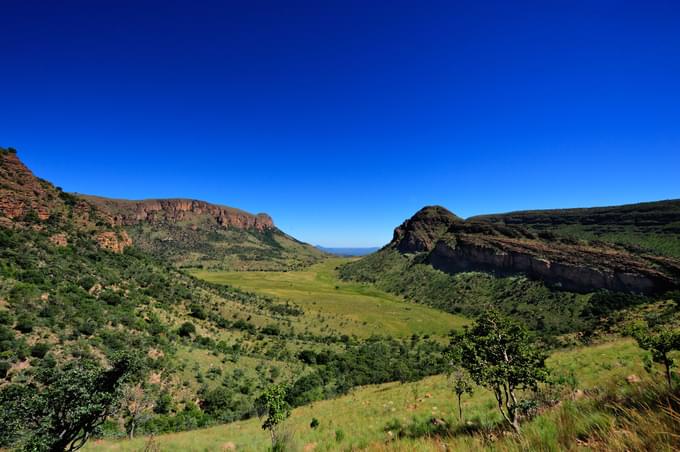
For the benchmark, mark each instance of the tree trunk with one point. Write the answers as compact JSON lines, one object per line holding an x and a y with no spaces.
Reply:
{"x":668,"y":373}
{"x":515,"y":424}
{"x":132,"y":429}
{"x":460,"y":409}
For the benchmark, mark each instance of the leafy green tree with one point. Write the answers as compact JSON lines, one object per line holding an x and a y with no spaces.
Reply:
{"x":660,"y":343}
{"x":61,"y":409}
{"x":186,"y":329}
{"x":501,"y":354}
{"x":272,"y":404}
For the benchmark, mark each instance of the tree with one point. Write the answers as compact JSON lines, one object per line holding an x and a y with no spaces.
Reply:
{"x":461,"y":386}
{"x":461,"y":379}
{"x":62,"y":407}
{"x":186,"y":329}
{"x":660,"y":343}
{"x":272,"y":403}
{"x":500,"y":354}
{"x":137,"y":407}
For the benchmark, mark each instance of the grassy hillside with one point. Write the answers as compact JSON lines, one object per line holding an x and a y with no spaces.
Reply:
{"x":550,"y":312}
{"x":196,"y":234}
{"x":224,"y":249}
{"x":397,"y":416}
{"x":75,"y":289}
{"x":353,"y":308}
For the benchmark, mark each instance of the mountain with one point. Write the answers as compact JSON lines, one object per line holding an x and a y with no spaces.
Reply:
{"x":349,"y":252}
{"x":27,"y":202}
{"x":554,"y":283}
{"x":486,"y":244}
{"x":191,"y":233}
{"x":76,"y":289}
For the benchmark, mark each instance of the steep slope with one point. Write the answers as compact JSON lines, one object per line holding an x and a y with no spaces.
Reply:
{"x":455,"y":246}
{"x":651,"y":225}
{"x":68,"y":295}
{"x":546,"y":280}
{"x":27,"y":202}
{"x":198,"y":234}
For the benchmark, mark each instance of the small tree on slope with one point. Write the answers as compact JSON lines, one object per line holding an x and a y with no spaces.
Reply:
{"x":660,"y":343}
{"x":273,"y":405}
{"x":501,"y":355}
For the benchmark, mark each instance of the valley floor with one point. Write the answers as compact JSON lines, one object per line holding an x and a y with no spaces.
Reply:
{"x":350,"y":308}
{"x":368,"y":417}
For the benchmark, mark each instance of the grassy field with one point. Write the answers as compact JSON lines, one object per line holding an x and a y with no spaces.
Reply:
{"x":351,"y":308}
{"x":359,"y":420}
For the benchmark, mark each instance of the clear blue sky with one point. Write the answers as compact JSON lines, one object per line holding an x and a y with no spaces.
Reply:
{"x":342,"y":119}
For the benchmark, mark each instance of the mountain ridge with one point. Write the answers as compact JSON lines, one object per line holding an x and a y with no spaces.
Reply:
{"x":454,"y":245}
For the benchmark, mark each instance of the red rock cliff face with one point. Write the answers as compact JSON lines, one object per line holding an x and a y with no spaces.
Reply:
{"x":21,"y":192}
{"x":128,"y":213}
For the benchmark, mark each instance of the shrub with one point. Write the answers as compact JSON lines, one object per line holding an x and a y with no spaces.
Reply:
{"x":39,"y":350}
{"x":4,"y":368}
{"x":339,"y":435}
{"x":24,"y":324}
{"x":197,"y":312}
{"x":186,"y":329}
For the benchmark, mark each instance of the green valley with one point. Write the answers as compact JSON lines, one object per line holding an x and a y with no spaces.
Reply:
{"x":129,"y":319}
{"x":352,"y":308}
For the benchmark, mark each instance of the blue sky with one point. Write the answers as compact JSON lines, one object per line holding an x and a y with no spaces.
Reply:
{"x":341,"y":119}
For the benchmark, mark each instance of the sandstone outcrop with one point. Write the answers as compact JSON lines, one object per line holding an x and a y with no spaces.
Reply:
{"x":454,"y":245}
{"x":114,"y":241}
{"x":154,"y":211}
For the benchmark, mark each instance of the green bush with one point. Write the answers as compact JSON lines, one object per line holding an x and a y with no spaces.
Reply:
{"x":4,"y":368}
{"x":186,"y":329}
{"x":40,"y":350}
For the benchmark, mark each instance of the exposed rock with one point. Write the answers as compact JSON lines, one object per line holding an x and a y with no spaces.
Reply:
{"x":114,"y":241}
{"x":127,"y":213}
{"x":453,"y":245}
{"x":420,"y":232}
{"x":21,"y":192}
{"x":27,"y":201}
{"x":59,"y":239}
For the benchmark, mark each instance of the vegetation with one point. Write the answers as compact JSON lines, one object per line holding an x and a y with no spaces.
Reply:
{"x":352,"y":308}
{"x":661,"y":343}
{"x":544,"y":310}
{"x":195,"y":243}
{"x":62,"y":407}
{"x":653,"y":226}
{"x":275,"y":408}
{"x":599,"y":410}
{"x":500,"y":355}
{"x":223,"y":347}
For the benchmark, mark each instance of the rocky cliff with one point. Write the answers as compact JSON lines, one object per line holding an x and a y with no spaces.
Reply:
{"x":198,"y":234}
{"x":29,"y":202}
{"x":154,"y":211}
{"x":454,"y":245}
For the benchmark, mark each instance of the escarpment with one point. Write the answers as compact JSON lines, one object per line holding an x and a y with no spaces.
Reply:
{"x":454,"y":245}
{"x":154,"y":211}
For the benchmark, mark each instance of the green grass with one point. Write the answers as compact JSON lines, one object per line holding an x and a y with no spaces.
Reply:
{"x":351,"y":308}
{"x":363,"y":414}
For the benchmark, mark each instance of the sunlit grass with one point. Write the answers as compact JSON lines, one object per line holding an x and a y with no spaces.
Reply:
{"x":350,"y":308}
{"x":362,"y":415}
